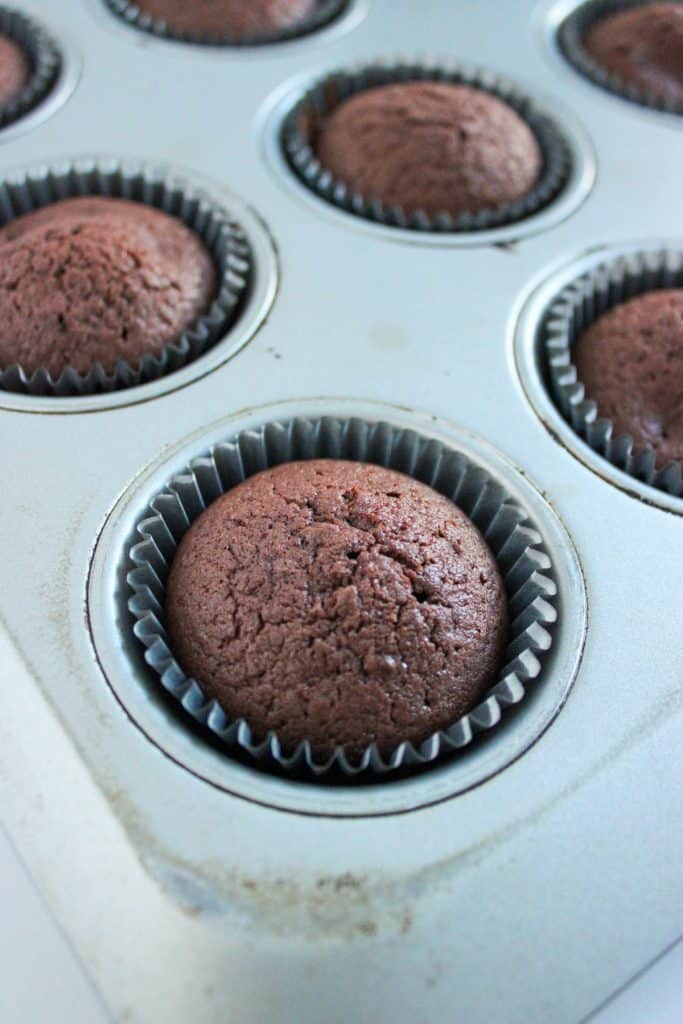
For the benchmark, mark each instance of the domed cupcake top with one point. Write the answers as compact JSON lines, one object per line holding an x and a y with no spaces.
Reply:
{"x":430,"y":146}
{"x":236,"y":18}
{"x":642,"y":47}
{"x":337,"y":602}
{"x":98,"y":280}
{"x":630,"y":362}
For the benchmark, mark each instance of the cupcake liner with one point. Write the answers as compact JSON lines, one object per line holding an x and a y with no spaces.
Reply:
{"x":571,"y":313}
{"x":516,"y":543}
{"x":223,"y":238}
{"x":298,"y":142}
{"x":325,"y":12}
{"x":570,"y":37}
{"x":44,"y":56}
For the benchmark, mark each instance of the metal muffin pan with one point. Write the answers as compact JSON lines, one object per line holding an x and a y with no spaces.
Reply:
{"x":392,"y":910}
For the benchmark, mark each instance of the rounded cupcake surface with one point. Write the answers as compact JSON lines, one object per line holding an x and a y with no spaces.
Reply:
{"x":232,"y":18}
{"x":643,"y":48}
{"x":430,"y":146}
{"x":15,"y":70}
{"x":631,"y":364}
{"x":340,"y":603}
{"x":97,"y":281}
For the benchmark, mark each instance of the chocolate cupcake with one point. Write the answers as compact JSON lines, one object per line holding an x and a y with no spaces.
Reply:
{"x":238,"y":18}
{"x":338,"y":603}
{"x":642,"y":49}
{"x":630,"y":362}
{"x":430,"y":146}
{"x":611,"y":350}
{"x":98,"y":281}
{"x":15,"y":70}
{"x":368,"y":599}
{"x":228,"y":22}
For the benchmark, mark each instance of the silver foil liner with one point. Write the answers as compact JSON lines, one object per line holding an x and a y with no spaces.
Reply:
{"x":514,"y":540}
{"x":300,"y":126}
{"x":155,"y":187}
{"x":579,"y":305}
{"x":45,"y":62}
{"x":570,"y":37}
{"x":325,"y":11}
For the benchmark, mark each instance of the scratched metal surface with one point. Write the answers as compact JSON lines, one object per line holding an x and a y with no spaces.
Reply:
{"x":530,"y":897}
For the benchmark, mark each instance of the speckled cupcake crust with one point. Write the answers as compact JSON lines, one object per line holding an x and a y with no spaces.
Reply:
{"x":393,"y":583}
{"x":337,"y":602}
{"x":96,"y":281}
{"x":113,"y":275}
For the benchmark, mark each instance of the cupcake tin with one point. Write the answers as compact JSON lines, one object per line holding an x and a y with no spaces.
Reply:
{"x":536,"y":871}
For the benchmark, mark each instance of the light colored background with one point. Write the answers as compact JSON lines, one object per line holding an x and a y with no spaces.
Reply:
{"x":41,"y":981}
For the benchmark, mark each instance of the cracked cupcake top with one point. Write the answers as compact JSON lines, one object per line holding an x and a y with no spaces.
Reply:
{"x":98,"y":280}
{"x":235,"y":18}
{"x":337,"y":602}
{"x":631,"y":364}
{"x":15,"y":69}
{"x":430,"y":146}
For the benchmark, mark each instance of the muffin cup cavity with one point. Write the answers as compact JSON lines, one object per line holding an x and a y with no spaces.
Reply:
{"x":572,"y":312}
{"x":514,"y":540}
{"x":570,"y":38}
{"x":155,"y":187}
{"x":298,"y":143}
{"x":325,"y":12}
{"x":45,"y":61}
